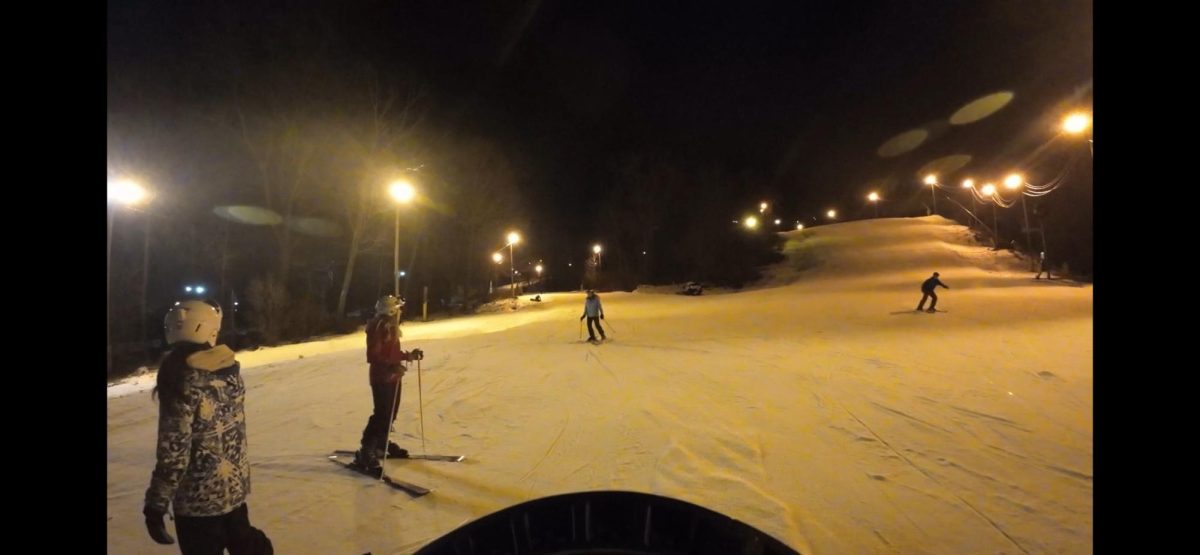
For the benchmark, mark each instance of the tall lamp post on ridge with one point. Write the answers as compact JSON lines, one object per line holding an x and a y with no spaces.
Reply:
{"x":970,"y":184}
{"x":128,"y":193}
{"x":989,"y":190}
{"x":1076,"y":123}
{"x":513,"y":238}
{"x":403,"y":193}
{"x":931,"y":180}
{"x":1016,"y":181}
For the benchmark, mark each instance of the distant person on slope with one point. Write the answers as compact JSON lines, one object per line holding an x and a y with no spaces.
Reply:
{"x":387,"y":367}
{"x":1042,"y":267}
{"x":594,"y":313}
{"x":202,"y":469}
{"x":927,"y":288}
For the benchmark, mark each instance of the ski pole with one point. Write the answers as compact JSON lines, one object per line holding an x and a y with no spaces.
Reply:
{"x":610,"y":326}
{"x":421,"y":403}
{"x":387,"y":438}
{"x":581,"y":329}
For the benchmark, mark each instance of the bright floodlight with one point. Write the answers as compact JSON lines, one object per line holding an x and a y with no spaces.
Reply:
{"x":596,"y":249}
{"x":538,"y":268}
{"x":751,"y":222}
{"x":402,"y":191}
{"x":968,"y":183}
{"x":873,"y":197}
{"x":126,"y":191}
{"x":1013,"y":181}
{"x":777,"y":220}
{"x":988,"y":189}
{"x":497,"y":257}
{"x":799,"y":226}
{"x":1076,"y":123}
{"x":831,"y":213}
{"x":200,"y":289}
{"x":931,"y":179}
{"x":188,"y":289}
{"x":513,"y":238}
{"x":762,"y":207}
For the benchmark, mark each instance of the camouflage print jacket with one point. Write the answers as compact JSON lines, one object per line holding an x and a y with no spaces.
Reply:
{"x":202,"y":466}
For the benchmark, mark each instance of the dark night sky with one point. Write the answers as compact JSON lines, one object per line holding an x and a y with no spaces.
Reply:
{"x":800,"y":93}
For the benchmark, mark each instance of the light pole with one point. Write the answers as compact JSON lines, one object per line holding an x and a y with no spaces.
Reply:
{"x":970,"y":184}
{"x":129,"y":193}
{"x":513,"y":237}
{"x":497,"y":258}
{"x":1015,"y":181}
{"x":402,"y":192}
{"x":989,"y":190}
{"x":1076,"y":123}
{"x":599,"y":259}
{"x":931,"y":180}
{"x":874,"y":198}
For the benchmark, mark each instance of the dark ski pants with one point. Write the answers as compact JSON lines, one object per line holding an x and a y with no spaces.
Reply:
{"x":927,"y":295}
{"x":592,"y":334}
{"x":386,"y":397}
{"x":212,"y":535}
{"x":1043,"y":269}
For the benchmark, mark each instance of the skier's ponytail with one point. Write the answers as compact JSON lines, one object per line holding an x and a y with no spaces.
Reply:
{"x":171,"y":382}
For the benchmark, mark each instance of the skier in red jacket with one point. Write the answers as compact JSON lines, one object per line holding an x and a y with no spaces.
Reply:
{"x":387,"y":367}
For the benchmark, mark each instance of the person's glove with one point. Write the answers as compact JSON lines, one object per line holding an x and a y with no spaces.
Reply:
{"x":601,"y":316}
{"x":156,"y":525}
{"x":581,"y":318}
{"x":416,"y":354}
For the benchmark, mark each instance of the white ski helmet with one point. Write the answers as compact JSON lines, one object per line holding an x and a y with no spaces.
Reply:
{"x":193,"y":322}
{"x":388,"y":305}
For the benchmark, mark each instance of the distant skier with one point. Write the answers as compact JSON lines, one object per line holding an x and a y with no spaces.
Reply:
{"x":594,"y":313}
{"x":927,"y":288}
{"x":387,"y":367}
{"x":1042,"y":267}
{"x":202,"y":468}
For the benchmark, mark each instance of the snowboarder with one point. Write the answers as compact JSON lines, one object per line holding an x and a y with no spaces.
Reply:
{"x":594,"y":313}
{"x":386,"y":368}
{"x":927,"y":288}
{"x":202,"y":467}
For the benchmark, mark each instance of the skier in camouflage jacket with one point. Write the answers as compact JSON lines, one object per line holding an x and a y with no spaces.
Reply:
{"x":202,"y":468}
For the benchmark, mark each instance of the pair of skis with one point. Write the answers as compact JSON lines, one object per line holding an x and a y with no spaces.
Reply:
{"x":339,"y":456}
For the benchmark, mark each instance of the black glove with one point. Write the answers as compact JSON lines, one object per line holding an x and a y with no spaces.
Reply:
{"x":416,"y":354}
{"x":156,"y":526}
{"x":601,"y":316}
{"x":581,"y":317}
